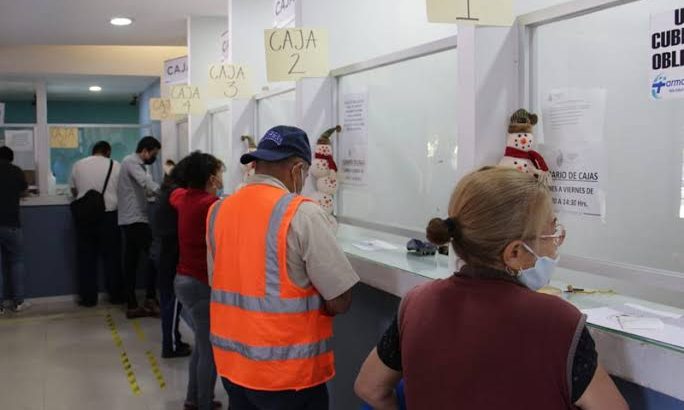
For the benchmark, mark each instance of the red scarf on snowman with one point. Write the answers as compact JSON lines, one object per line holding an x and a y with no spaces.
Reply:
{"x":533,"y":156}
{"x":329,"y":159}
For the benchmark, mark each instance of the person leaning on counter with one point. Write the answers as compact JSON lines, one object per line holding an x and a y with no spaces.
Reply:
{"x":484,"y":338}
{"x":279,"y":276}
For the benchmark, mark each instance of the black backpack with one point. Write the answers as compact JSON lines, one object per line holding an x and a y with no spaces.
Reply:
{"x":90,"y":208}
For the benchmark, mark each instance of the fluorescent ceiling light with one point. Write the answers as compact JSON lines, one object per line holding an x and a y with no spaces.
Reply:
{"x":95,"y":88}
{"x":121,"y":21}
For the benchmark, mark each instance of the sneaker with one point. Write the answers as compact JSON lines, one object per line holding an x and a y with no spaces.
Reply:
{"x":137,"y":312}
{"x":151,"y":306}
{"x":181,"y":351}
{"x":20,"y":307}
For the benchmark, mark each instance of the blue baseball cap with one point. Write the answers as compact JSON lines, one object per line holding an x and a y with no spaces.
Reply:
{"x":280,"y":143}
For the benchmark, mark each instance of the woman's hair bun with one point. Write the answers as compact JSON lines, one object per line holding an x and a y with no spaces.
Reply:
{"x":441,"y":231}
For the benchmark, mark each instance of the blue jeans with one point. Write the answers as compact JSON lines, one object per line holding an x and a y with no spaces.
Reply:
{"x":12,"y":248}
{"x":195,"y":297}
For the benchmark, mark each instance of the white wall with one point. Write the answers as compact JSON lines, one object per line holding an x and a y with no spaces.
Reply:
{"x":204,"y":49}
{"x":248,"y":20}
{"x":363,"y":29}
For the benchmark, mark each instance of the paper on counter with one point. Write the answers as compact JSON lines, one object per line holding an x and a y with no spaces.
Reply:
{"x":616,"y":320}
{"x":654,"y":311}
{"x":375,"y":245}
{"x":643,"y":323}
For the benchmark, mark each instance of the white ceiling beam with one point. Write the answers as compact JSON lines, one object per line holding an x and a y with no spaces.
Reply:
{"x":86,"y":60}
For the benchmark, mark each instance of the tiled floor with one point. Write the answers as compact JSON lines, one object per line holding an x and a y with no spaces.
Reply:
{"x":60,"y":357}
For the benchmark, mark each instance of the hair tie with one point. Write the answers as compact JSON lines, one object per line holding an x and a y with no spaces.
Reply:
{"x":453,"y":228}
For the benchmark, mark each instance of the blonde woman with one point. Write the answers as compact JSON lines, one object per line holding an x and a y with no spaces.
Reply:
{"x":485,"y":339}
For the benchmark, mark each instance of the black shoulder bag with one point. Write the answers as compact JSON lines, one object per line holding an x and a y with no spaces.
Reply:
{"x":90,"y":208}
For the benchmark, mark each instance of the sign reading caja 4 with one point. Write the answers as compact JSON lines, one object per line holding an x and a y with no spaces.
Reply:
{"x":186,"y":99}
{"x":296,"y":53}
{"x":667,"y":54}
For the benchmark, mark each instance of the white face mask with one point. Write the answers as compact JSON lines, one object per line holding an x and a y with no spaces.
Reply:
{"x":540,"y":274}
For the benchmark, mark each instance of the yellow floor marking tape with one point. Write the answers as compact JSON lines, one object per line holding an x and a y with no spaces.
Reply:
{"x":125,"y":361}
{"x":57,"y":316}
{"x":155,"y":369}
{"x":139,"y":330}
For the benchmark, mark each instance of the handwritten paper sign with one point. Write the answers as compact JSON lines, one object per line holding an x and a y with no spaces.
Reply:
{"x":225,"y":42}
{"x":296,"y":53}
{"x":478,"y":12}
{"x":160,"y":109}
{"x":186,"y":99}
{"x":284,"y":13}
{"x":63,"y":137}
{"x":229,"y":81}
{"x":176,"y":70}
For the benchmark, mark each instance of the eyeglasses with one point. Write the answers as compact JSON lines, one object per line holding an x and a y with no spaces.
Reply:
{"x":558,"y":236}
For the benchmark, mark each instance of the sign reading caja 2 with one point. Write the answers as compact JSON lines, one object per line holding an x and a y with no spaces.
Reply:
{"x":296,"y":53}
{"x":667,"y":54}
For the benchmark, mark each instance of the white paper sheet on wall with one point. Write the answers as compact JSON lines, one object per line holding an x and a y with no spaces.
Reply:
{"x":574,"y":114}
{"x":2,"y":113}
{"x":19,"y":140}
{"x":353,"y":144}
{"x":573,"y":123}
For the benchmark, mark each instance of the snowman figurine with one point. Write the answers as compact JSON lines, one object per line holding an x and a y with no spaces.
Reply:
{"x":249,"y":169}
{"x":519,"y":153}
{"x":324,"y":169}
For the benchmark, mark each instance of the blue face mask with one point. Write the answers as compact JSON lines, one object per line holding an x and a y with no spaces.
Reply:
{"x":540,"y":274}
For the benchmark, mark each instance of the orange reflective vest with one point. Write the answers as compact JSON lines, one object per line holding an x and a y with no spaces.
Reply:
{"x":267,"y":332}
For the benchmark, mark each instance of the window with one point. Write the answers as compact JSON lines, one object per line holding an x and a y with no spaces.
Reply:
{"x":123,"y":139}
{"x":412,"y":142}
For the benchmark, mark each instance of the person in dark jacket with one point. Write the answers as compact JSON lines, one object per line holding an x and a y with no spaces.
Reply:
{"x":165,"y":232}
{"x":12,"y":187}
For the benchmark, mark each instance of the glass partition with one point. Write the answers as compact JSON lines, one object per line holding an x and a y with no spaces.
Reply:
{"x":123,"y":139}
{"x":412,"y":142}
{"x":278,"y":109}
{"x":225,"y":147}
{"x":643,"y":137}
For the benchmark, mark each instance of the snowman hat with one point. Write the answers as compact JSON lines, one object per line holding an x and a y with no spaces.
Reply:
{"x":250,"y":141}
{"x":522,"y":121}
{"x":324,"y":139}
{"x":523,"y":116}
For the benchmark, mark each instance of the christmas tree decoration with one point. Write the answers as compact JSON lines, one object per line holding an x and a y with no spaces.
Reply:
{"x":519,"y":147}
{"x":324,"y":169}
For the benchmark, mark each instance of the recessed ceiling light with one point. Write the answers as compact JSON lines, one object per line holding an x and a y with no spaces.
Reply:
{"x":95,"y":88}
{"x":121,"y":21}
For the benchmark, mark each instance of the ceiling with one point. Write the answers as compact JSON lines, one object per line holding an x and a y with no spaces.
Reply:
{"x":86,"y":22}
{"x":114,"y":88}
